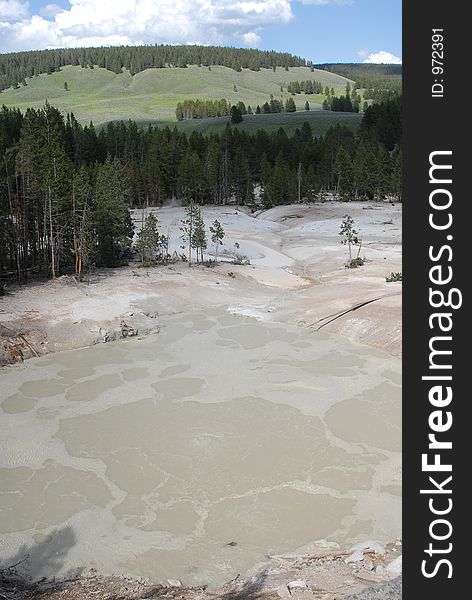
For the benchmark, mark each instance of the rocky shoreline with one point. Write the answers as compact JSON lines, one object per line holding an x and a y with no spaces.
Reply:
{"x":367,"y":571}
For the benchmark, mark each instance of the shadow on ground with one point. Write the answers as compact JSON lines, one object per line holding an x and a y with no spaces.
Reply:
{"x":31,"y":574}
{"x":20,"y":573}
{"x":250,"y":590}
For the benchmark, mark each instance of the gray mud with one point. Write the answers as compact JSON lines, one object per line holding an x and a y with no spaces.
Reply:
{"x":197,"y":453}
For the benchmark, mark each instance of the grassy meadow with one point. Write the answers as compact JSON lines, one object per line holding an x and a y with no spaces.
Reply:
{"x":151,"y":96}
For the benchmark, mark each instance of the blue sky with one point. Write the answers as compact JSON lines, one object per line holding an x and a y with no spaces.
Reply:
{"x":319,"y":30}
{"x":337,"y":33}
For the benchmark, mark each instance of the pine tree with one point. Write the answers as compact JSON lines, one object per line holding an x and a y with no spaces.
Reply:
{"x":149,"y":239}
{"x":212,"y":171}
{"x":199,"y":240}
{"x":82,"y":225}
{"x":384,"y":165}
{"x":217,"y":234}
{"x":242,"y":107}
{"x":350,"y":237}
{"x":310,"y":184}
{"x":396,"y":176}
{"x":57,"y":175}
{"x":190,"y":178}
{"x":306,"y":133}
{"x":241,"y":178}
{"x":281,"y":187}
{"x":344,"y":174}
{"x":290,"y":105}
{"x":188,"y":227}
{"x":365,"y":173}
{"x":236,"y":115}
{"x":264,"y":170}
{"x":111,"y":216}
{"x":299,"y":181}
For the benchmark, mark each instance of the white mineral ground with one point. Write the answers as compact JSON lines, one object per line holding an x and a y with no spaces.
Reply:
{"x":238,"y":431}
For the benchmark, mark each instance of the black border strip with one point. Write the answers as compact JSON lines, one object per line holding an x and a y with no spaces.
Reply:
{"x":434,"y":123}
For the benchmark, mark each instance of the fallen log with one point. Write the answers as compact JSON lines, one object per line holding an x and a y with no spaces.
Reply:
{"x":7,"y":328}
{"x":21,"y":336}
{"x":335,"y":555}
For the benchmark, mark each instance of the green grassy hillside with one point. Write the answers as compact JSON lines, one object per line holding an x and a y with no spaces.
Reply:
{"x":100,"y":96}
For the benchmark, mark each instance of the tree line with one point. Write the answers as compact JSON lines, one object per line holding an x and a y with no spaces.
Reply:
{"x":276,"y":106}
{"x":153,"y":246}
{"x":340,"y":104}
{"x":202,"y":109}
{"x":380,"y":90}
{"x":369,"y":88}
{"x":194,"y":234}
{"x":16,"y":67}
{"x":306,"y":87}
{"x":350,"y":102}
{"x":66,"y":189}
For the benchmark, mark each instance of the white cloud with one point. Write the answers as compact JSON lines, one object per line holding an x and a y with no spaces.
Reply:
{"x":12,"y":10}
{"x":251,"y":39}
{"x":107,"y":22}
{"x":50,"y":10}
{"x":383,"y":57}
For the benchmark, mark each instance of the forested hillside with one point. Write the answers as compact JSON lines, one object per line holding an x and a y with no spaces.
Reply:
{"x":66,"y":190}
{"x":378,"y":82}
{"x":357,"y":71}
{"x":16,"y":67}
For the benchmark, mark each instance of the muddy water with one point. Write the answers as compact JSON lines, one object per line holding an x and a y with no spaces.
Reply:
{"x":195,"y":453}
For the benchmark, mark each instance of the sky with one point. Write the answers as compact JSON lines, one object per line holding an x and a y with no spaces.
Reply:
{"x":318,"y":30}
